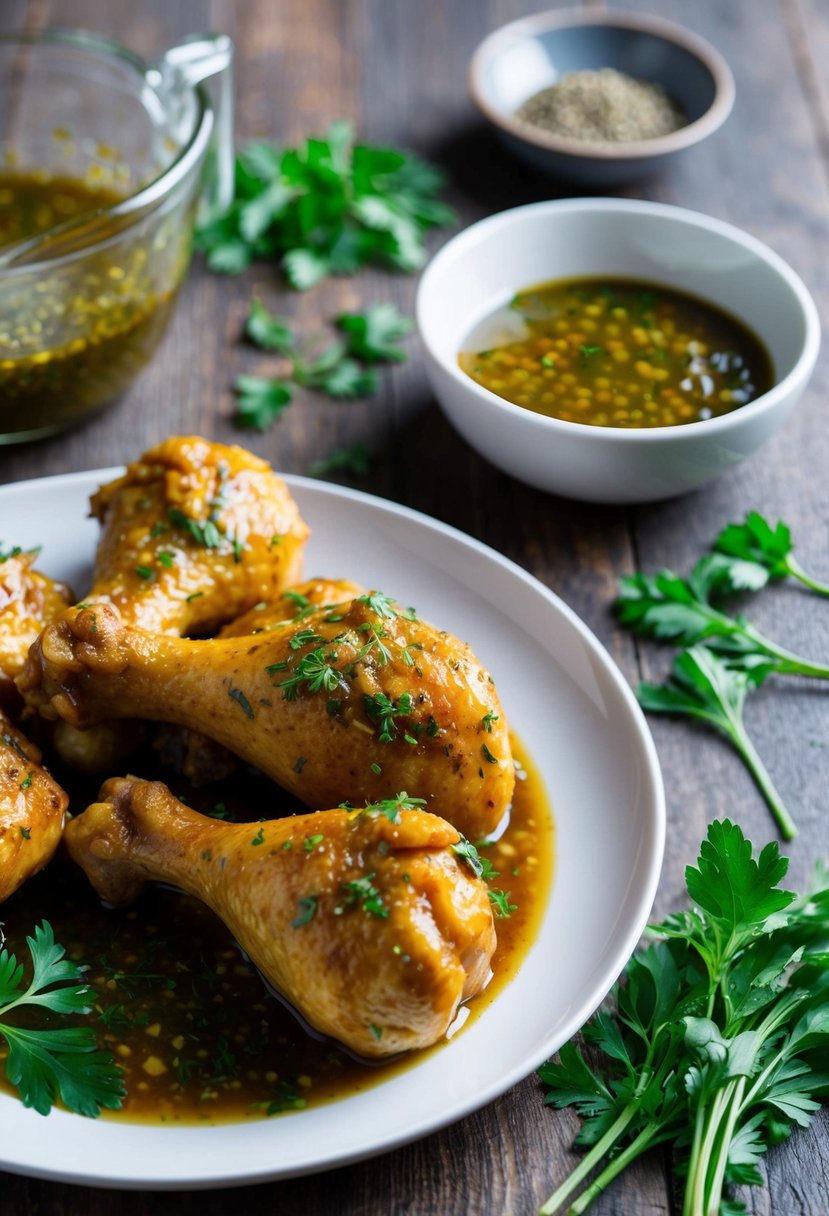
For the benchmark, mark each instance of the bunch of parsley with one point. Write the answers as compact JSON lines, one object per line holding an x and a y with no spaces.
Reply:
{"x":328,"y":206}
{"x":715,"y":1040}
{"x":726,"y":657}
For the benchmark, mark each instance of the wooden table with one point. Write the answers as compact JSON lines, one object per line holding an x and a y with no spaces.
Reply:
{"x":396,"y":68}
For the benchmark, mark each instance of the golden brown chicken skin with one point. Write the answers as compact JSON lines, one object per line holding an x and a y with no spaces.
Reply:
{"x":28,"y":601}
{"x":365,"y":921}
{"x":32,"y":810}
{"x":343,"y":704}
{"x":194,"y":534}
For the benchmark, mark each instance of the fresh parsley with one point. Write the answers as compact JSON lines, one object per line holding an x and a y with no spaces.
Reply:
{"x":703,"y":686}
{"x":340,"y":369}
{"x":665,"y":605}
{"x":391,"y":807}
{"x":374,"y":336}
{"x":714,"y":1038}
{"x":382,"y":711}
{"x":770,"y":548}
{"x":328,"y":206}
{"x":354,"y":459}
{"x":362,"y":892}
{"x":314,"y":672}
{"x":259,"y":401}
{"x":44,"y":1065}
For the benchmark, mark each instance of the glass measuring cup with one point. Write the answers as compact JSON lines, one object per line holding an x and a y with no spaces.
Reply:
{"x":103,"y":159}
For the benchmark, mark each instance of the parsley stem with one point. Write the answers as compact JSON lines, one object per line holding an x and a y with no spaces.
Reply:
{"x":796,"y":571}
{"x":588,"y":1162}
{"x":716,"y":1179}
{"x":741,"y":740}
{"x":635,"y":1149}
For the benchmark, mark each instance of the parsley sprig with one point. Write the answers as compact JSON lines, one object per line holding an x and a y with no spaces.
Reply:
{"x":704,"y":687}
{"x":391,"y":807}
{"x":719,"y":1025}
{"x":665,"y":605}
{"x":770,"y":548}
{"x":328,"y":206}
{"x":44,"y":1064}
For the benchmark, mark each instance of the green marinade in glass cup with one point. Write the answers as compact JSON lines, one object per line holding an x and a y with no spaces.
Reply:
{"x":104,"y":159}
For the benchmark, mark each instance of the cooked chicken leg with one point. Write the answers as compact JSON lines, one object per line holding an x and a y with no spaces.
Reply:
{"x":28,"y":600}
{"x":32,"y":809}
{"x":365,"y":920}
{"x":346,"y":703}
{"x":194,"y":534}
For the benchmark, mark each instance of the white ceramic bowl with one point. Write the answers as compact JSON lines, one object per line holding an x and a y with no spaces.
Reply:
{"x":482,"y":268}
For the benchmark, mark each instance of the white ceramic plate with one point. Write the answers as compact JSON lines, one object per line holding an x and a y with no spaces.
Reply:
{"x":576,"y":716}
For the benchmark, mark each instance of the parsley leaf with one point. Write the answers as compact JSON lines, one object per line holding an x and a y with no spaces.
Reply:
{"x":391,"y":807}
{"x":374,"y":335}
{"x":770,"y":548}
{"x":260,"y":402}
{"x":46,"y":1064}
{"x":269,"y":331}
{"x":355,"y":459}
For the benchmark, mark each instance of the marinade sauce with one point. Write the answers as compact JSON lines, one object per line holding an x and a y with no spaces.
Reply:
{"x":199,"y":1037}
{"x":75,"y":330}
{"x":617,"y":353}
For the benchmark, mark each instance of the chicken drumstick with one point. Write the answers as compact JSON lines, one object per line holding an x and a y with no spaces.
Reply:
{"x":366,"y":921}
{"x":343,"y":703}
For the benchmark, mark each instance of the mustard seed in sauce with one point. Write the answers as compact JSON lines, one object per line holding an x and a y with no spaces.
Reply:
{"x":617,"y":353}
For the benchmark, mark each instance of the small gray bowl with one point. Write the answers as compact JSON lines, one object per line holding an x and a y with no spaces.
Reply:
{"x":520,"y":59}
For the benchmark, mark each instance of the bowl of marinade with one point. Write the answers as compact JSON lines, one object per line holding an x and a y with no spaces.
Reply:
{"x":612,"y":350}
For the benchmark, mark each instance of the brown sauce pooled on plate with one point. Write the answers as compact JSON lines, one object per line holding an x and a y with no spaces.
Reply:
{"x":617,"y":353}
{"x":189,"y":1020}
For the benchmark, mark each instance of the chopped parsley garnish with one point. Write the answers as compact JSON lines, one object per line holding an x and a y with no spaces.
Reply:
{"x":239,"y":697}
{"x":315,"y":672}
{"x":259,"y":838}
{"x":300,"y":763}
{"x":501,"y":905}
{"x":363,"y":892}
{"x":481,"y":867}
{"x":307,"y":911}
{"x":25,"y":833}
{"x":488,"y":719}
{"x":145,"y":572}
{"x":207,"y":534}
{"x":305,"y":637}
{"x":383,"y":605}
{"x":391,"y":807}
{"x":27,"y":780}
{"x":487,"y":754}
{"x":382,"y":711}
{"x":311,"y":842}
{"x":166,"y":558}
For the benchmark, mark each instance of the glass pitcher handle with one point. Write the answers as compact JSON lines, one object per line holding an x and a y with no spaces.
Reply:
{"x":207,"y":59}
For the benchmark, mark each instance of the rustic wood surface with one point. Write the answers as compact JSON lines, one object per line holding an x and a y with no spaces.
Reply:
{"x":396,"y":68}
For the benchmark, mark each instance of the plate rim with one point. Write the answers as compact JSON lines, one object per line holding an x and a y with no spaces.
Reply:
{"x":459,"y":1109}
